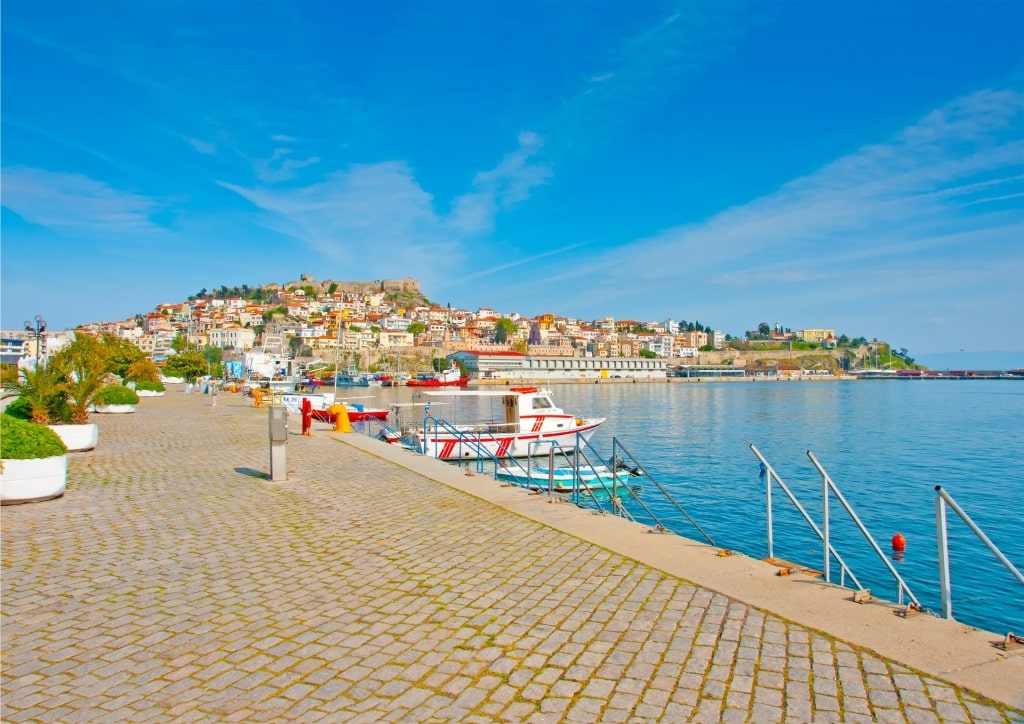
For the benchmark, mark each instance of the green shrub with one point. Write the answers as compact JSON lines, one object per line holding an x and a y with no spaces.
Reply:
{"x":19,"y":408}
{"x":116,"y":395}
{"x":150,"y":386}
{"x":23,"y":440}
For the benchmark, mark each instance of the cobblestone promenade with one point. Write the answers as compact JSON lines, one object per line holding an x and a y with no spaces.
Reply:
{"x":175,"y":583}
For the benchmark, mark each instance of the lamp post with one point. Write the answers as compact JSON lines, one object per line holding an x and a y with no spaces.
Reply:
{"x":37,"y":331}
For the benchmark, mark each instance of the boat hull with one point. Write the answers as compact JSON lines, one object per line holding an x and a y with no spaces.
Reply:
{"x":565,"y":479}
{"x":461,"y":382}
{"x":470,"y":445}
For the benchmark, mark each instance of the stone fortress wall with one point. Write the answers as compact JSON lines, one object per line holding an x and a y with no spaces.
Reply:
{"x":387,"y":286}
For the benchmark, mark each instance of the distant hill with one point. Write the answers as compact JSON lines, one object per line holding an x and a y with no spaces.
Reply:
{"x":404,"y":292}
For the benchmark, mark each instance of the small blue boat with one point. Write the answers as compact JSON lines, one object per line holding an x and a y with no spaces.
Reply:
{"x":566,"y":479}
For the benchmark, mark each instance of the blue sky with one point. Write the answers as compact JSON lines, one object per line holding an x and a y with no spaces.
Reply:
{"x":857,"y":166}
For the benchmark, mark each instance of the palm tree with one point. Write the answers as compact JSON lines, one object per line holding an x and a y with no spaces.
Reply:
{"x":85,"y":364}
{"x":41,"y":389}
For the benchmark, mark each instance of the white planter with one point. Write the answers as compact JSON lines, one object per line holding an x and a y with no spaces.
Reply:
{"x":78,"y":437}
{"x":149,"y":393}
{"x":172,"y":380}
{"x":26,"y":481}
{"x":115,"y":409}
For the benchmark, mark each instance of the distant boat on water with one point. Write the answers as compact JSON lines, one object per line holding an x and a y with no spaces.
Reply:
{"x":451,"y":377}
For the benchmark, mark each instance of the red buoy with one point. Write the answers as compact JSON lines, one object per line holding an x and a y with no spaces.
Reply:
{"x":899,"y":543}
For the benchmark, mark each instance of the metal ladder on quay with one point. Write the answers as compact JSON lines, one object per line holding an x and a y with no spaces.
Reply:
{"x":584,"y":449}
{"x":862,"y":594}
{"x":943,"y":501}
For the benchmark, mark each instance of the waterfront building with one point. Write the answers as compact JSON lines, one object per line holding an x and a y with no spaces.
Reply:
{"x":230,"y":336}
{"x":515,"y":367}
{"x":12,"y":349}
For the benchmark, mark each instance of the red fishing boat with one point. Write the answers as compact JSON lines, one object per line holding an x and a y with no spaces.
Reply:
{"x":451,"y":377}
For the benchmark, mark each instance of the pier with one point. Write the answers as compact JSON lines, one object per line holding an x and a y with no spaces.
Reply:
{"x":174,"y":581}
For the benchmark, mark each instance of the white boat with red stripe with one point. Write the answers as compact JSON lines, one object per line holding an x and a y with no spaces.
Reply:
{"x":526,"y":421}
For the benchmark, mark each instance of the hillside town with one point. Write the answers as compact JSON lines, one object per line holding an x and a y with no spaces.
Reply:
{"x":368,"y":322}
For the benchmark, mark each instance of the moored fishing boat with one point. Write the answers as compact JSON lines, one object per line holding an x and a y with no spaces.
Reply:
{"x":349,"y":378}
{"x":451,"y":377}
{"x":530,"y":424}
{"x":565,"y":479}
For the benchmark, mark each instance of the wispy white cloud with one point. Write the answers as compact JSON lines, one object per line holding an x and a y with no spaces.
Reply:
{"x":62,"y":140}
{"x":281,"y":138}
{"x":518,"y":262}
{"x":504,"y":186}
{"x":76,"y":203}
{"x":280,"y":167}
{"x":650,"y":63}
{"x":376,"y":218}
{"x":991,"y":199}
{"x":888,"y":219}
{"x":201,"y":146}
{"x":880,"y":196}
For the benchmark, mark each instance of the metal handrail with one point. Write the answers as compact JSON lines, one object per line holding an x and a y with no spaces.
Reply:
{"x":827,"y":484}
{"x":942,"y":499}
{"x":769,"y":474}
{"x":639,"y":468}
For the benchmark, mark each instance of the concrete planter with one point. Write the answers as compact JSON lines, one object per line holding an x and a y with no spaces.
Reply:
{"x":149,"y":393}
{"x":115,"y":409}
{"x":77,"y":438}
{"x":28,"y":481}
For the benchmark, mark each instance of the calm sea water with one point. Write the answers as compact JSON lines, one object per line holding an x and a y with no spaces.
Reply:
{"x":886,"y":444}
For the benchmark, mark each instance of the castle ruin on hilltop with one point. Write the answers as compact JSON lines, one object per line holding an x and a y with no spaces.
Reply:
{"x":388,"y":286}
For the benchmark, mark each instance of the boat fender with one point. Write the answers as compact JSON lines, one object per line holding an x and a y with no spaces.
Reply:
{"x":579,"y":421}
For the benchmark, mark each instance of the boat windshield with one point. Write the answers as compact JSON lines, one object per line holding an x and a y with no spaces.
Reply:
{"x":542,"y":403}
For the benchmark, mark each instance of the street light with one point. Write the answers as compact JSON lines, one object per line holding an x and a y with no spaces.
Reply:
{"x":38,"y":331}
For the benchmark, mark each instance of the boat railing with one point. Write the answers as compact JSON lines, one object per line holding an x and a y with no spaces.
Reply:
{"x":942,"y":500}
{"x":829,"y":551}
{"x":472,"y":441}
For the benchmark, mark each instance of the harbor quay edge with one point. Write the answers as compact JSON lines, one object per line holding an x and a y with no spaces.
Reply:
{"x":175,"y":582}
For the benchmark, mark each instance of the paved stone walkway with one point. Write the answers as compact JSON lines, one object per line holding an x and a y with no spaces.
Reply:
{"x":174,"y":583}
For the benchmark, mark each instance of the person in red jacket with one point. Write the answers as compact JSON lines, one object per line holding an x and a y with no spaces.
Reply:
{"x":307,"y":415}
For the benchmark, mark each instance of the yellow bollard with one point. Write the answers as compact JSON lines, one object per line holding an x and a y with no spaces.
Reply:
{"x":341,"y":421}
{"x":257,"y":395}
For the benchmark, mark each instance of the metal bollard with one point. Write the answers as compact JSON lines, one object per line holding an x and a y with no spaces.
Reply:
{"x":278,"y":420}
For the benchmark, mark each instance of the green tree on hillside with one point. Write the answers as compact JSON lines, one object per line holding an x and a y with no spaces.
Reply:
{"x":504,"y":329}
